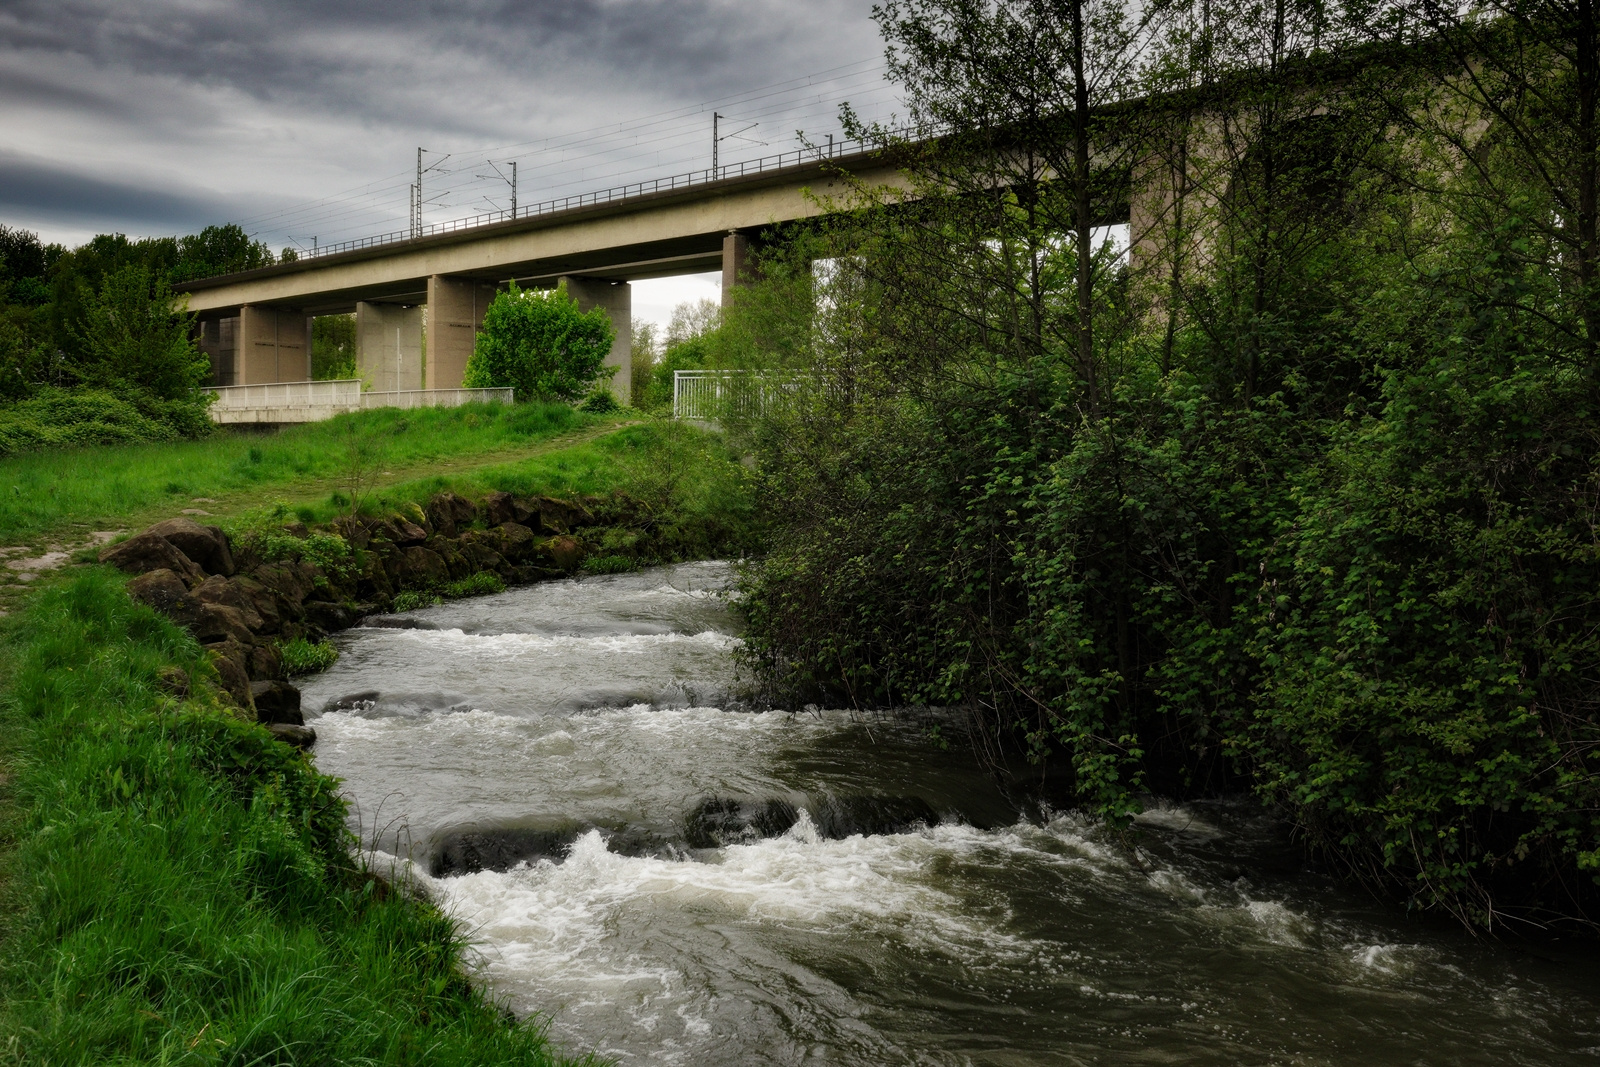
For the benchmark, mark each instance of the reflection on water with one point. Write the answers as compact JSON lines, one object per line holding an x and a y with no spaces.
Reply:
{"x":676,"y":883}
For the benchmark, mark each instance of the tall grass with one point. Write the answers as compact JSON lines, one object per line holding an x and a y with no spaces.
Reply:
{"x":181,"y":889}
{"x":44,"y":490}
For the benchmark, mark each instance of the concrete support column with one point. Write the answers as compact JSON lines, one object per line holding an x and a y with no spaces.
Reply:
{"x":273,"y":344}
{"x":389,"y":346}
{"x":738,"y":265}
{"x":455,"y":313}
{"x":617,"y":299}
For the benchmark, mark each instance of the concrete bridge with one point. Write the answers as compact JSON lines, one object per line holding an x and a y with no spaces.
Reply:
{"x":419,"y":298}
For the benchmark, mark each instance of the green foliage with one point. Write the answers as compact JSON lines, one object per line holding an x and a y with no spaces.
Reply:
{"x":263,"y":533}
{"x":1297,"y":499}
{"x":333,"y":347}
{"x":302,"y":657}
{"x":185,"y":884}
{"x":131,"y":339}
{"x":600,"y":401}
{"x":54,"y":417}
{"x":412,"y":599}
{"x":45,"y":490}
{"x":219,"y":250}
{"x":484,"y":583}
{"x":610,"y":564}
{"x":538,"y":342}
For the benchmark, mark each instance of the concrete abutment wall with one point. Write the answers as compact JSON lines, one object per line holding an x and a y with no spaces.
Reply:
{"x":389,"y":345}
{"x":617,"y":300}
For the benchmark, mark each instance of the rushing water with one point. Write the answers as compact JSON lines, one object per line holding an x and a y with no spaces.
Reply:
{"x":674,"y":883}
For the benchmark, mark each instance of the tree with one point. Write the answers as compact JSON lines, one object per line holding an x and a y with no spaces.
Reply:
{"x":540,"y":344}
{"x":131,"y":337}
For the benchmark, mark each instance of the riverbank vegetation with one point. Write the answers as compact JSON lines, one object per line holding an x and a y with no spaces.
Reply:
{"x":90,"y":349}
{"x":182,"y":888}
{"x":105,"y":486}
{"x":1293,"y":491}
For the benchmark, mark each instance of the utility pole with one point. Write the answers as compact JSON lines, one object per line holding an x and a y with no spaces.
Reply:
{"x":715,"y":140}
{"x":513,"y":188}
{"x":416,"y":215}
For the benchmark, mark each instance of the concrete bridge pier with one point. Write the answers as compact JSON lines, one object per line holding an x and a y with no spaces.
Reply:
{"x":455,"y":314}
{"x":389,"y":346}
{"x":738,"y":263}
{"x":617,"y":299}
{"x":272,"y":344}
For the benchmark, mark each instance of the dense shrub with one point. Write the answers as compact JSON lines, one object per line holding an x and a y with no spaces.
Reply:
{"x":539,"y":343}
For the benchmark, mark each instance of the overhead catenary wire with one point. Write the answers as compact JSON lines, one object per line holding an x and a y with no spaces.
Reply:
{"x":643,"y":147}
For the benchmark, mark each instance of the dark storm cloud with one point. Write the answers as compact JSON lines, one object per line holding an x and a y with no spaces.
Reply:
{"x":37,"y":190}
{"x":135,"y":104}
{"x":366,"y":55}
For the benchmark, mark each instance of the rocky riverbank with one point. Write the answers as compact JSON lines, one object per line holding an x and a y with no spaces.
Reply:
{"x":244,"y":599}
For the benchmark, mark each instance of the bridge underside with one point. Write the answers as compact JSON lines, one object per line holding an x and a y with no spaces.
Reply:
{"x":419,"y":303}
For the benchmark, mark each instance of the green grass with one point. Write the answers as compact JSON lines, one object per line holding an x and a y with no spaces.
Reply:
{"x":180,"y":888}
{"x":43,"y":491}
{"x":303,"y":657}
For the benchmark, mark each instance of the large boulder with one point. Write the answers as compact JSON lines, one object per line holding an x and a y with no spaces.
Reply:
{"x":498,"y":508}
{"x":213,"y":622}
{"x":206,"y":545}
{"x":301,"y":737}
{"x":263,"y":600}
{"x":328,"y":616}
{"x":286,"y":581}
{"x":562,"y":516}
{"x":564,"y":553}
{"x":228,"y":658}
{"x":515,"y":540}
{"x":455,"y":561}
{"x":418,"y":567}
{"x":450,"y":513}
{"x":230,"y":592}
{"x":146,"y":552}
{"x":277,"y":702}
{"x":160,"y":588}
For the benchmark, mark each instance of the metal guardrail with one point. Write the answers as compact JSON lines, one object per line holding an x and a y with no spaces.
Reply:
{"x":286,"y":402}
{"x":434,"y":398}
{"x":714,"y":394}
{"x":792,"y":158}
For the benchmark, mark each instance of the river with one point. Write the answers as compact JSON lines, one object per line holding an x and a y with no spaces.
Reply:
{"x":672,"y":881}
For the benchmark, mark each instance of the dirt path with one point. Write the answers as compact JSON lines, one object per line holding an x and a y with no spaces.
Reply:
{"x":24,"y":563}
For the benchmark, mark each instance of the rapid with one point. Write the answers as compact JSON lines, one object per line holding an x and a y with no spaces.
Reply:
{"x":670,"y":879}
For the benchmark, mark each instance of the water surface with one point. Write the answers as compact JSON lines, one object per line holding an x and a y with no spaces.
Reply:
{"x":673,"y":880}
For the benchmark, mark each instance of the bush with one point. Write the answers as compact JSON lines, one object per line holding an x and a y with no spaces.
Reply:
{"x":540,"y":344}
{"x":56,"y":417}
{"x":600,"y":402}
{"x":484,"y":583}
{"x":302,"y":657}
{"x":611,"y":565}
{"x":412,"y":599}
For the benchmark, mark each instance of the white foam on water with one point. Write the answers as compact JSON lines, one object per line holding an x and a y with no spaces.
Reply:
{"x":505,"y":646}
{"x":633,"y":938}
{"x":1177,"y":817}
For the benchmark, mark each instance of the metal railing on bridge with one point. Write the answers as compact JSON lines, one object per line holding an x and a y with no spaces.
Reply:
{"x":793,"y":158}
{"x":434,"y":398}
{"x":278,"y":403}
{"x":710,"y":395}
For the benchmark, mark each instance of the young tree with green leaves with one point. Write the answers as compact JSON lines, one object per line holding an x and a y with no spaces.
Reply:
{"x":540,"y":344}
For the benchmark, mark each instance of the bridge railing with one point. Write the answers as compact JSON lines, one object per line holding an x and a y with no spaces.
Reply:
{"x":277,"y":403}
{"x":434,"y":398}
{"x":710,"y":395}
{"x":792,"y":158}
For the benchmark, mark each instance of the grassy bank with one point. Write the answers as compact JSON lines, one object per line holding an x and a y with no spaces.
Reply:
{"x":105,"y":485}
{"x":181,"y":890}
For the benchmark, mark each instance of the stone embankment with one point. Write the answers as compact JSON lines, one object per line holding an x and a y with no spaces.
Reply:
{"x":243,"y":607}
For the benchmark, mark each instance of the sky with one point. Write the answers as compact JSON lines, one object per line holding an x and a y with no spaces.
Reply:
{"x":301,"y":119}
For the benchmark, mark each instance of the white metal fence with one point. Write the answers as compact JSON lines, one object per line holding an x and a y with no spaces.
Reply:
{"x":718,"y":394}
{"x":284,"y":402}
{"x":434,"y":398}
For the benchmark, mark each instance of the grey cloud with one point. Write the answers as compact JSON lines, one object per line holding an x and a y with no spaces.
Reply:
{"x":37,"y":189}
